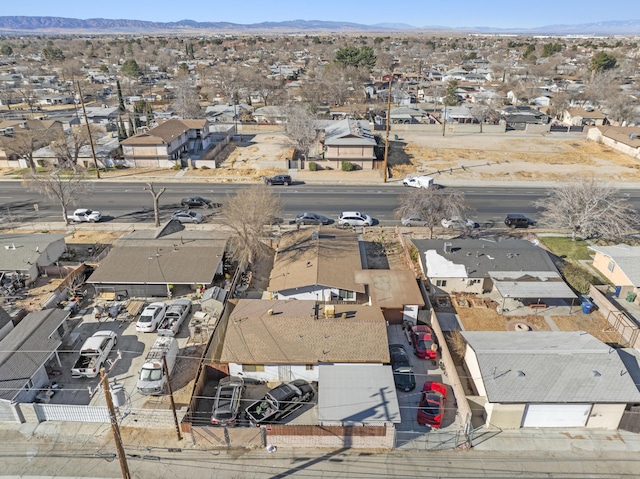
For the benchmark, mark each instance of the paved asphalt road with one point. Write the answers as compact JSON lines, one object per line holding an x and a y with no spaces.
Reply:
{"x":128,"y":202}
{"x":60,"y":460}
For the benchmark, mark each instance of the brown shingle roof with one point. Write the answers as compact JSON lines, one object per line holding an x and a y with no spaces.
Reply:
{"x":622,"y":134}
{"x":294,"y":334}
{"x":328,"y":261}
{"x":585,"y":113}
{"x":391,"y":288}
{"x":164,"y":132}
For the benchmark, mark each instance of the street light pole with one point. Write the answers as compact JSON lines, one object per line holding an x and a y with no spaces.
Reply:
{"x":93,"y":150}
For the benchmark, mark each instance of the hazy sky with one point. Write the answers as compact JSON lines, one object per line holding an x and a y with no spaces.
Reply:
{"x":452,"y":13}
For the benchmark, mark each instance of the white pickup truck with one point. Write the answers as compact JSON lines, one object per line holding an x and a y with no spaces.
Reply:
{"x":174,"y":317}
{"x":418,"y":181}
{"x":93,"y":354}
{"x":84,"y":215}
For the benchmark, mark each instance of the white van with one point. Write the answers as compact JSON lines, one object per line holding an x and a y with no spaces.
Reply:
{"x":152,"y":380}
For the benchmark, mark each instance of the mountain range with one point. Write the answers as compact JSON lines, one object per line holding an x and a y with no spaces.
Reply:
{"x":38,"y":25}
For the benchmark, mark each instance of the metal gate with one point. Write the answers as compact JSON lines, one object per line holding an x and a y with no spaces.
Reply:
{"x":63,"y":412}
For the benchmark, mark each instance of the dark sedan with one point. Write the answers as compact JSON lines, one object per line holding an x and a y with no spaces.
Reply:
{"x":311,"y":219}
{"x":197,"y":202}
{"x":402,"y":370}
{"x":279,"y":180}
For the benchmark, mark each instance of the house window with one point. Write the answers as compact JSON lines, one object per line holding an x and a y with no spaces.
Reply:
{"x":29,"y":385}
{"x":343,"y":294}
{"x":471,"y":282}
{"x":441,"y":282}
{"x":309,"y":367}
{"x":611,"y":266}
{"x":253,"y":368}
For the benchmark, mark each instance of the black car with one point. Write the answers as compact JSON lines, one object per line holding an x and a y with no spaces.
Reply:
{"x":197,"y":201}
{"x":279,"y":180}
{"x":517,"y":220}
{"x":402,"y":369}
{"x":311,"y":219}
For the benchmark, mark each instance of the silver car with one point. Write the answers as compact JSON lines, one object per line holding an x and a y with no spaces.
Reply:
{"x":457,"y":222}
{"x":354,"y":218}
{"x":184,"y":216}
{"x":412,"y":220}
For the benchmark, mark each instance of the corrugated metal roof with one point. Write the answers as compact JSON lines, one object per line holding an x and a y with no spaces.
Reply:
{"x":26,"y":349}
{"x":550,"y":367}
{"x":357,"y":393}
{"x":294,"y":333}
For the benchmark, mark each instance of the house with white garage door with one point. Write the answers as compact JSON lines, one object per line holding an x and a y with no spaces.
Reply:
{"x":548,"y":379}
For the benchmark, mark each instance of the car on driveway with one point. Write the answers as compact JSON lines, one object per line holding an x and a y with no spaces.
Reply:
{"x":457,"y":222}
{"x":423,"y":344}
{"x":198,"y":202}
{"x":431,"y":407}
{"x":402,"y":370}
{"x":226,"y":404}
{"x":354,"y":218}
{"x":412,"y":220}
{"x":311,"y":219}
{"x":278,"y":180}
{"x":151,"y":317}
{"x":186,"y":216}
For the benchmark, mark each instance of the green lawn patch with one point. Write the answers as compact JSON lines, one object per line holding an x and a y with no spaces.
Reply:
{"x":564,"y":247}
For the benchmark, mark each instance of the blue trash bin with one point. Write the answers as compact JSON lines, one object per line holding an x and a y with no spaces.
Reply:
{"x":587,"y":307}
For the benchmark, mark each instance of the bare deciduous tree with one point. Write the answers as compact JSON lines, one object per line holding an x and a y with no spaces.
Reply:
{"x":26,"y":141}
{"x":58,"y":184}
{"x":588,"y":208}
{"x":246,"y":213}
{"x":432,"y":206}
{"x":187,"y":104}
{"x":480,"y":112}
{"x":156,"y":199}
{"x":67,"y":147}
{"x":301,"y":128}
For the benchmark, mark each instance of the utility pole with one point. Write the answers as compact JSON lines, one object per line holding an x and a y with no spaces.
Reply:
{"x":386,"y":147}
{"x":173,"y":404}
{"x":124,"y":467}
{"x":84,"y":112}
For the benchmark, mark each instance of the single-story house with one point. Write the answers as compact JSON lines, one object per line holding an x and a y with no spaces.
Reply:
{"x":270,"y":115}
{"x":147,"y":263}
{"x":24,"y":254}
{"x":515,"y":268}
{"x":581,"y":117}
{"x":24,"y":352}
{"x":274,"y":340}
{"x":12,"y":147}
{"x":167,"y":144}
{"x":227,"y":113}
{"x":393,"y":291}
{"x":548,"y":379}
{"x":101,"y":115}
{"x":625,"y":139}
{"x":317,"y":264}
{"x":349,"y":140}
{"x":522,"y":117}
{"x":620,"y":264}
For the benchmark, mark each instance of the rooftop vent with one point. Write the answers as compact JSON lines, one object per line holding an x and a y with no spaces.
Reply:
{"x":633,"y":136}
{"x":447,"y":247}
{"x":596,"y":374}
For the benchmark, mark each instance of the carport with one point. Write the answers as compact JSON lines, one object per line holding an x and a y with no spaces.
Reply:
{"x":357,"y":395}
{"x":531,"y":285}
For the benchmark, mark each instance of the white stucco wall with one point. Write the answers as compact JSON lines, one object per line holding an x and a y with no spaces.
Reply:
{"x":605,"y":416}
{"x":471,"y":360}
{"x":276,"y":372}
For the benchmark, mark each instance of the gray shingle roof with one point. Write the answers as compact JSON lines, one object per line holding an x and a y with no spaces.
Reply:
{"x":18,"y":252}
{"x":26,"y":349}
{"x":184,"y":257}
{"x":479,"y":257}
{"x":348,"y":132}
{"x":626,"y":257}
{"x":550,"y":367}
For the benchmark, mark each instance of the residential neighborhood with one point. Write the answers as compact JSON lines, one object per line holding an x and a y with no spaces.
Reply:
{"x":212,"y":237}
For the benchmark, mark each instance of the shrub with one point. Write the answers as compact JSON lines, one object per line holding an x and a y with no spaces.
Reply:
{"x":347,"y":166}
{"x":204,"y":167}
{"x":176,"y":167}
{"x":414,"y":254}
{"x":579,"y":278}
{"x":313,"y":166}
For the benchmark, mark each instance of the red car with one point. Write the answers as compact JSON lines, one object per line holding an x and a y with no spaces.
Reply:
{"x":423,"y":344}
{"x":431,"y":408}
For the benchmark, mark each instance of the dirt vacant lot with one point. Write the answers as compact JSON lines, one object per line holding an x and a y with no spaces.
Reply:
{"x":510,"y":156}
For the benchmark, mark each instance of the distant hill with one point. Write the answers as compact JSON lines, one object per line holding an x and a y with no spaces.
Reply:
{"x":39,"y":25}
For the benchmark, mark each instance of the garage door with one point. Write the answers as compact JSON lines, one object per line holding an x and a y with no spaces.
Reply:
{"x":556,"y":415}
